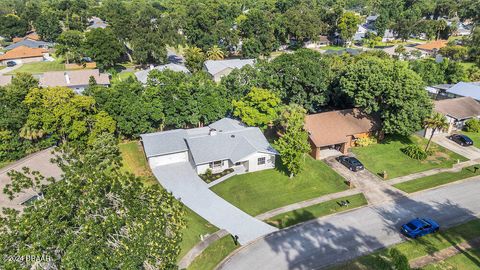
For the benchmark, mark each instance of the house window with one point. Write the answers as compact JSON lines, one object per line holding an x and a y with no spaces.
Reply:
{"x":216,"y":164}
{"x":237,"y":163}
{"x":261,"y":161}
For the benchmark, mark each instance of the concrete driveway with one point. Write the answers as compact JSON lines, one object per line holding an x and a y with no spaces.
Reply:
{"x":181,"y":179}
{"x":375,"y":189}
{"x":335,"y":239}
{"x":39,"y":161}
{"x":9,"y":69}
{"x":469,"y":152}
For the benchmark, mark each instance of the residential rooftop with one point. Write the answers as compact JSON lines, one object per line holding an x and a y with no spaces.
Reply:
{"x":73,"y":78}
{"x":215,"y":66}
{"x":142,"y":75}
{"x":23,"y":52}
{"x":458,"y":108}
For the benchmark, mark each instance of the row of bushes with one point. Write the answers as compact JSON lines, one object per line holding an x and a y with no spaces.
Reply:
{"x":209,"y":177}
{"x":416,"y":152}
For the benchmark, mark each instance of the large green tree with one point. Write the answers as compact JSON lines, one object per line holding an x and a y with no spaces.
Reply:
{"x":69,"y":45}
{"x":62,"y":113}
{"x":94,"y":216}
{"x":390,"y":90}
{"x":103,"y":47}
{"x":258,"y":108}
{"x":48,"y":25}
{"x":12,"y":26}
{"x":348,"y":25}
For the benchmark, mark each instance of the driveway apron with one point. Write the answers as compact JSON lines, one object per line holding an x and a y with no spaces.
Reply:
{"x":182,"y":180}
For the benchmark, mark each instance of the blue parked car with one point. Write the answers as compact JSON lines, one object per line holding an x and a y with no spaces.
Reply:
{"x":420,"y":227}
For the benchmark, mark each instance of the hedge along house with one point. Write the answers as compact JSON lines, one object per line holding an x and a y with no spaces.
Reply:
{"x":222,"y":145}
{"x":337,"y":131}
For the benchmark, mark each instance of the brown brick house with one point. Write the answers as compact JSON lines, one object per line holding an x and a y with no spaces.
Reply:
{"x":339,"y":129}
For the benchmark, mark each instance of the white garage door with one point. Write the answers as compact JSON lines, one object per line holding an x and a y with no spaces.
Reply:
{"x":168,"y":159}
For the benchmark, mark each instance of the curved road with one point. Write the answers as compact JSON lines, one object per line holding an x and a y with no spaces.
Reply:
{"x":334,"y":239}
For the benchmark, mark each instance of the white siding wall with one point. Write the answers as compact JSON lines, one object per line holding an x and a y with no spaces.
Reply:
{"x":168,"y":159}
{"x":253,"y":162}
{"x":202,"y":168}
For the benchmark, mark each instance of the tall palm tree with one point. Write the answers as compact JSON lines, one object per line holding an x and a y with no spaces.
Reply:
{"x":436,"y":121}
{"x":215,"y":53}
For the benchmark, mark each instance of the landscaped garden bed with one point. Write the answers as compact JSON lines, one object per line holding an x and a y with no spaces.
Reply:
{"x":387,"y":157}
{"x":209,"y":177}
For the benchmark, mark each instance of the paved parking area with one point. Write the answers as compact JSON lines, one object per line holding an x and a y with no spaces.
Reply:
{"x":181,"y":179}
{"x":375,"y":189}
{"x":39,"y":161}
{"x":469,"y":152}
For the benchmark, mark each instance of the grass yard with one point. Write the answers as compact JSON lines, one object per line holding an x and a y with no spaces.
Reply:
{"x":214,"y":254}
{"x":258,"y":192}
{"x":438,"y":179}
{"x":40,"y":67}
{"x":387,"y":156}
{"x":474,"y":136}
{"x":413,"y":249}
{"x":121,"y":76}
{"x":322,"y":209}
{"x":2,"y":67}
{"x":463,"y":261}
{"x":4,"y":163}
{"x":134,"y":161}
{"x":333,"y":48}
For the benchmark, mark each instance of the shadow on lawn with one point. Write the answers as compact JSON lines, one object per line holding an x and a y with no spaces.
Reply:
{"x":297,"y":217}
{"x":343,"y":237}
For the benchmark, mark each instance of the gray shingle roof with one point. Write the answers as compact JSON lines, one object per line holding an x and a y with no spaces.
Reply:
{"x":232,"y":141}
{"x":458,"y":108}
{"x":215,"y":66}
{"x":466,"y":90}
{"x":29,"y":43}
{"x":142,"y":75}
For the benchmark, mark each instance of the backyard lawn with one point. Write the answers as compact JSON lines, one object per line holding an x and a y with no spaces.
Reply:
{"x":425,"y":245}
{"x":40,"y":67}
{"x":475,"y":136}
{"x":315,"y":211}
{"x":121,"y":76}
{"x":134,"y":161}
{"x":214,"y":254}
{"x":438,"y":179}
{"x":258,"y":192}
{"x":387,"y":156}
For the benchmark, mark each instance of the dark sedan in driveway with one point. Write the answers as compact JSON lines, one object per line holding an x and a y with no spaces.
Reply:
{"x":461,"y":139}
{"x":420,"y":227}
{"x":351,"y":163}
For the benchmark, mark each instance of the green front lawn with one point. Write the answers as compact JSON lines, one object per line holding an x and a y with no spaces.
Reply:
{"x":40,"y":67}
{"x":438,"y":179}
{"x":333,"y":48}
{"x":122,"y":76}
{"x":475,"y":136}
{"x":315,"y":211}
{"x":259,"y":192}
{"x":413,"y":249}
{"x":2,"y":67}
{"x":214,"y":254}
{"x":468,"y":260}
{"x":387,"y":156}
{"x":134,"y":161}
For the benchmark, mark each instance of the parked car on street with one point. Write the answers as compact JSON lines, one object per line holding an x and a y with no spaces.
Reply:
{"x":461,"y":139}
{"x":420,"y":227}
{"x":351,"y":163}
{"x":11,"y":63}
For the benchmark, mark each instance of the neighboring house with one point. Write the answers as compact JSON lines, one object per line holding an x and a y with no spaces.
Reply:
{"x":463,"y":30}
{"x":350,"y":51}
{"x":461,"y":89}
{"x":433,"y":47}
{"x":339,"y":130}
{"x":388,"y":36}
{"x":457,"y":111}
{"x":30,"y":36}
{"x":219,"y":68}
{"x":410,"y":50}
{"x":96,"y":22}
{"x":30,"y":44}
{"x":77,"y":80}
{"x":321,"y":42}
{"x":224,"y":144}
{"x":142,"y":75}
{"x":24,"y":54}
{"x":5,"y":79}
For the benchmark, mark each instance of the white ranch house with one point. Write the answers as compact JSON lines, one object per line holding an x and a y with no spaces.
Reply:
{"x":224,"y":144}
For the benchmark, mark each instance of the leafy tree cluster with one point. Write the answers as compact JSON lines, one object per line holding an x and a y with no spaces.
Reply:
{"x":437,"y":73}
{"x":94,"y":216}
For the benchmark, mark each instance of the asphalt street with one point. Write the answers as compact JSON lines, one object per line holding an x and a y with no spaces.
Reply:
{"x":338,"y":238}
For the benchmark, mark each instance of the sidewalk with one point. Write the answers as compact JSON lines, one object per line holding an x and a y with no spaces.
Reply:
{"x":445,"y":253}
{"x":456,"y":168}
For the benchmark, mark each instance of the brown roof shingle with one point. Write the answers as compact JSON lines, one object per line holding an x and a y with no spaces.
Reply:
{"x":434,"y":45}
{"x":458,"y":108}
{"x":73,"y":78}
{"x":334,"y":127}
{"x":22,"y":52}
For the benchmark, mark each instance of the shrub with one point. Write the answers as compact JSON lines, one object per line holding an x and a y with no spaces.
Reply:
{"x":414,"y":151}
{"x":472,"y":125}
{"x":365,"y":141}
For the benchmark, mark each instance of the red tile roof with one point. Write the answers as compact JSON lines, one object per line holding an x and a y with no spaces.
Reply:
{"x":22,"y":52}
